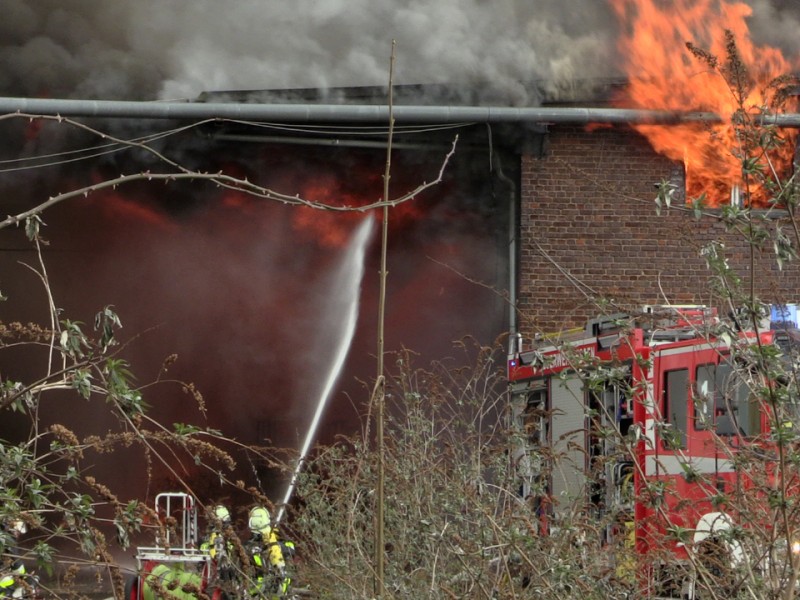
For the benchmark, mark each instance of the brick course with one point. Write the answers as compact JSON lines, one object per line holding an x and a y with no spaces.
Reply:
{"x":589,"y":229}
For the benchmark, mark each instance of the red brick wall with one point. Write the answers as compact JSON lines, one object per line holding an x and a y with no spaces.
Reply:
{"x":589,"y":230}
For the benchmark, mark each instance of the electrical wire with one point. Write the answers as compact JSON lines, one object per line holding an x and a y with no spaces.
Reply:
{"x":91,"y":151}
{"x":41,"y":161}
{"x":351,"y":129}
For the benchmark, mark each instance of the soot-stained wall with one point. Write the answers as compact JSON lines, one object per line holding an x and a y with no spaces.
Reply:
{"x":589,"y":230}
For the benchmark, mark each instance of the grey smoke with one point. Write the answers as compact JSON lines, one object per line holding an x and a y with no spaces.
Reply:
{"x":776,"y":22}
{"x":170,"y":49}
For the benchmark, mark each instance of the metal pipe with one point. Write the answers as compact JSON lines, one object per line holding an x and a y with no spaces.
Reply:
{"x":355,"y":113}
{"x":319,"y":141}
{"x":363,"y":113}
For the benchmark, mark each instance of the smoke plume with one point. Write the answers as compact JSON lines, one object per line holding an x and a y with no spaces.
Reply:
{"x":170,"y":49}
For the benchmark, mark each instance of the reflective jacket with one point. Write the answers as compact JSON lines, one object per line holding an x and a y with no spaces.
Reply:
{"x":11,"y":573}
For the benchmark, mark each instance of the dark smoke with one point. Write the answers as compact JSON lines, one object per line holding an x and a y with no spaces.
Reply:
{"x":238,"y":287}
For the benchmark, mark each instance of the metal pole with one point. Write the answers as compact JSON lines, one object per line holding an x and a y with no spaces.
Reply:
{"x":359,"y":113}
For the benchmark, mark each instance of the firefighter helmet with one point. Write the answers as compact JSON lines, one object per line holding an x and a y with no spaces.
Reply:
{"x":222,"y":513}
{"x":259,"y":519}
{"x":17,"y":527}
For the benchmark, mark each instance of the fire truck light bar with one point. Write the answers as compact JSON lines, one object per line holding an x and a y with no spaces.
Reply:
{"x":784,"y":316}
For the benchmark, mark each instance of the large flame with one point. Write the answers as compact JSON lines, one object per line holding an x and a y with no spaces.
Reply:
{"x":664,"y":74}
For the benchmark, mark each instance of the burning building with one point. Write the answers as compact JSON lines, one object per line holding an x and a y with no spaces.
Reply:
{"x":548,"y":198}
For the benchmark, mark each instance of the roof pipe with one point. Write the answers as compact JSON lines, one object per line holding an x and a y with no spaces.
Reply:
{"x":355,"y":113}
{"x":329,"y":141}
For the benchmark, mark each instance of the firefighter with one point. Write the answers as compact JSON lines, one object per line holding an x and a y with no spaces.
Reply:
{"x":288,"y":550}
{"x":266,"y":553}
{"x":213,"y":543}
{"x":217,"y":545}
{"x":13,"y":568}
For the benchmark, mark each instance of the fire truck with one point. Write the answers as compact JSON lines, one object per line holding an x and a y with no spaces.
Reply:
{"x":175,"y":567}
{"x":628,"y":400}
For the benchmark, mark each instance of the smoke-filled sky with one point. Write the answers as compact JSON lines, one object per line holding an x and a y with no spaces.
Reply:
{"x":171,"y":49}
{"x":235,"y":287}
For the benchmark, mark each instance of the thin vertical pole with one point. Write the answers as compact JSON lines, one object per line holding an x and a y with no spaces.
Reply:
{"x":380,"y":380}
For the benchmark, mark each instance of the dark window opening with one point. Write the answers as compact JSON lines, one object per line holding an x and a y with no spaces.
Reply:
{"x":534,"y":422}
{"x":676,"y":401}
{"x":610,"y":416}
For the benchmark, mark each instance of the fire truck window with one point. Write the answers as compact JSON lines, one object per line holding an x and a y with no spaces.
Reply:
{"x":676,"y":401}
{"x":736,"y":409}
{"x":748,"y":415}
{"x":533,"y":419}
{"x":704,"y":396}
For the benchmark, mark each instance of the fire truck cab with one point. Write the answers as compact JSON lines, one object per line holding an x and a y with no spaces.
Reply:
{"x":598,"y":411}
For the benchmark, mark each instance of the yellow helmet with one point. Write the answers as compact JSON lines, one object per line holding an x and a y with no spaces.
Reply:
{"x":259,"y":519}
{"x":222,"y":513}
{"x":18,"y":527}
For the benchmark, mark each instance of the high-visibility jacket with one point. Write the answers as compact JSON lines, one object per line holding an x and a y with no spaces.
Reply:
{"x":267,"y":557}
{"x":272,"y":547}
{"x":8,"y":580}
{"x":215,"y":545}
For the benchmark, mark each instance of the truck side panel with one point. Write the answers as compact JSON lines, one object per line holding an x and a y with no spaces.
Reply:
{"x":568,"y":432}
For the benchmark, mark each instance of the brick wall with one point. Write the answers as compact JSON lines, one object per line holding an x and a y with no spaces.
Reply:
{"x":589,"y":230}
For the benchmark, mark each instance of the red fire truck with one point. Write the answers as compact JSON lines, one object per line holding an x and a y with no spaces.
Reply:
{"x":653,"y":398}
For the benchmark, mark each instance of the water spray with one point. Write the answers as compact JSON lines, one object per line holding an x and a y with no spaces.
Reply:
{"x":347,"y":287}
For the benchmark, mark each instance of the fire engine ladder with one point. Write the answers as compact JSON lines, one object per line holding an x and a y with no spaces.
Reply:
{"x":177,"y":516}
{"x":676,"y":322}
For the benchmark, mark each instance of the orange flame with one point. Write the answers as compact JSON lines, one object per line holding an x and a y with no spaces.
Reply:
{"x":117,"y":206}
{"x":664,"y":75}
{"x":333,"y":228}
